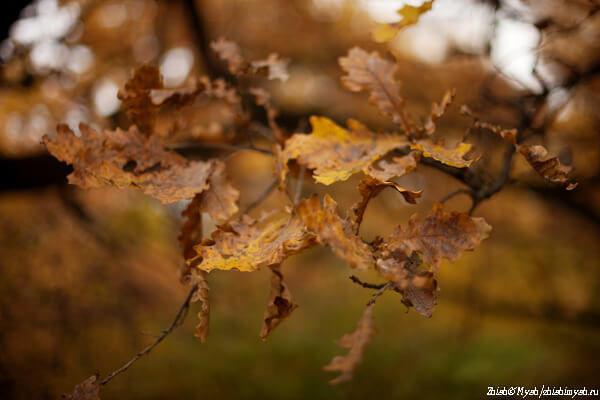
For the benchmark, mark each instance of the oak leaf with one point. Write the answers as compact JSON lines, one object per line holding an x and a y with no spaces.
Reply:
{"x":355,"y":342}
{"x":371,"y":73}
{"x":136,"y":96}
{"x":417,"y":286}
{"x":410,"y":16}
{"x":200,"y":279}
{"x":440,"y":235}
{"x":452,"y":157}
{"x":280,"y":304}
{"x":370,"y":187}
{"x":276,"y":67}
{"x":335,"y":232}
{"x":335,"y":153}
{"x":127,"y":159}
{"x":437,"y":111}
{"x":550,"y":168}
{"x":230,"y":52}
{"x":247,"y":244}
{"x":384,"y":170}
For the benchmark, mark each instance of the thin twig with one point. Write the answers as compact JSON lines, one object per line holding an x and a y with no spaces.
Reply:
{"x":262,"y":197}
{"x":299,"y":185}
{"x":177,"y":321}
{"x":367,"y":285}
{"x":456,"y":193}
{"x":379,"y":292}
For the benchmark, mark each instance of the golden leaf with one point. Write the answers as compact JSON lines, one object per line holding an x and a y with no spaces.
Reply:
{"x":452,"y":157}
{"x":333,"y":231}
{"x":248,"y":244}
{"x":355,"y":342}
{"x":335,"y":153}
{"x":410,"y":16}
{"x":127,"y":159}
{"x":280,"y":305}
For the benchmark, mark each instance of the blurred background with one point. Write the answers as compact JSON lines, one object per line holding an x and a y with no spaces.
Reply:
{"x":87,"y":278}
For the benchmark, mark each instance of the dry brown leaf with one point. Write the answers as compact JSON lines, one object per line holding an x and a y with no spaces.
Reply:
{"x":373,"y":74}
{"x":86,"y":390}
{"x":263,"y":99}
{"x":248,"y":244}
{"x":452,"y":157}
{"x":550,"y":168}
{"x":200,"y":278}
{"x":440,"y":235}
{"x":220,"y":199}
{"x":136,"y":97}
{"x":417,"y":286}
{"x":127,"y":159}
{"x":333,"y":231}
{"x":355,"y":342}
{"x":230,"y":52}
{"x":276,"y":67}
{"x":280,"y":304}
{"x":438,"y":110}
{"x":335,"y":153}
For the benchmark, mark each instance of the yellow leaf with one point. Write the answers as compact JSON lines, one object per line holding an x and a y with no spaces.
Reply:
{"x":335,"y":153}
{"x":248,"y":244}
{"x":452,"y":157}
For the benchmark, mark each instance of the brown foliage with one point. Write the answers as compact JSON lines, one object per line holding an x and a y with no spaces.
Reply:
{"x":355,"y":342}
{"x":280,"y":304}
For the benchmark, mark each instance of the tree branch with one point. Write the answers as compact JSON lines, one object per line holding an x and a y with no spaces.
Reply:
{"x":177,"y":321}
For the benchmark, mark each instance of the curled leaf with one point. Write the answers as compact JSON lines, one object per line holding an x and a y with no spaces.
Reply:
{"x":550,"y":168}
{"x":280,"y":304}
{"x":89,"y":389}
{"x":370,"y":187}
{"x":400,"y":166}
{"x":248,"y":244}
{"x":201,"y":296}
{"x":127,"y":159}
{"x":335,"y":153}
{"x":452,"y":157}
{"x":373,"y":74}
{"x":333,"y":231}
{"x":440,"y":235}
{"x":438,"y":110}
{"x":355,"y":342}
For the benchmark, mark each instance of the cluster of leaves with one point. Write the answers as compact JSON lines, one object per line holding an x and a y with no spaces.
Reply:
{"x":406,"y":261}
